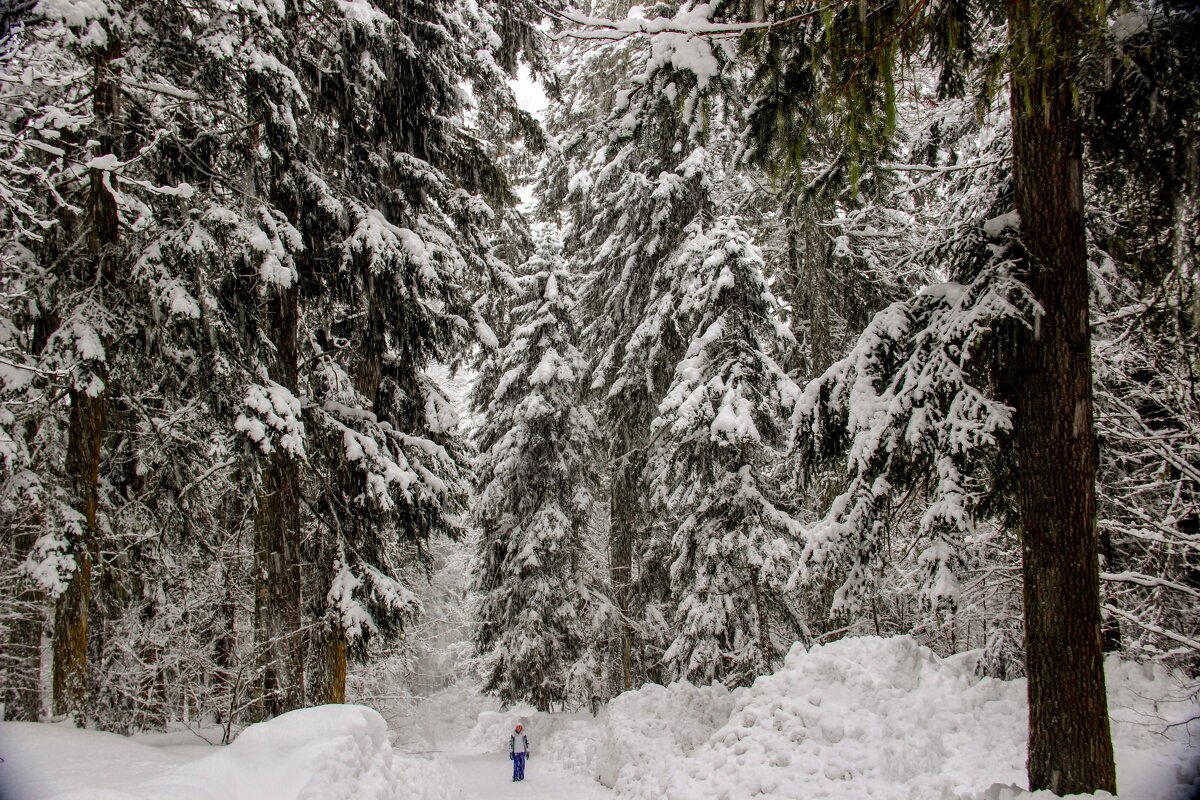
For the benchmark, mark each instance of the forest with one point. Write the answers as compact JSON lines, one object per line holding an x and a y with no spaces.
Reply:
{"x":330,"y":371}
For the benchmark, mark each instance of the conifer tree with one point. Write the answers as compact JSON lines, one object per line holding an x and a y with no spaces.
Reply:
{"x":630,"y":207}
{"x":393,"y":198}
{"x":718,"y":441}
{"x":534,"y":496}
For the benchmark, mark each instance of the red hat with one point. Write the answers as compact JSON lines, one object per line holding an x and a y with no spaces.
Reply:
{"x":518,"y":727}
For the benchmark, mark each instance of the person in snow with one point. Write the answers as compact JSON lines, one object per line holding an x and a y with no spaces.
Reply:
{"x":518,"y":751}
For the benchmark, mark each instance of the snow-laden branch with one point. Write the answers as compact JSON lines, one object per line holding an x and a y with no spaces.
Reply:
{"x":1179,"y":638}
{"x":694,"y":22}
{"x":1147,"y":581}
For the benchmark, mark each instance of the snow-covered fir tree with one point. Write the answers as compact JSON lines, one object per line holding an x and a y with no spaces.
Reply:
{"x":534,"y":497}
{"x":640,"y":175}
{"x":717,"y":444}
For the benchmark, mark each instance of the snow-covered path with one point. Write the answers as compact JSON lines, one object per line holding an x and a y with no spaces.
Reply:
{"x":489,"y":777}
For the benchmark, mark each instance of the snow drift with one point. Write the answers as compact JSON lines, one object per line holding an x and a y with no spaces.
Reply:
{"x":657,"y":724}
{"x":323,"y":753}
{"x":868,"y":717}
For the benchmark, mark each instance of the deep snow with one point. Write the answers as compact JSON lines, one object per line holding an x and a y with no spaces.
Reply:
{"x":884,"y":719}
{"x":866,"y":717}
{"x":324,"y":753}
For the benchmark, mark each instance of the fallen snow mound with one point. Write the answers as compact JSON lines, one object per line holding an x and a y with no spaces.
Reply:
{"x":885,"y":719}
{"x":880,"y":718}
{"x":654,"y":725}
{"x":323,"y":753}
{"x":334,"y":752}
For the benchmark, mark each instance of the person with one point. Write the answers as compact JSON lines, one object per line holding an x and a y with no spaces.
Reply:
{"x":518,"y":751}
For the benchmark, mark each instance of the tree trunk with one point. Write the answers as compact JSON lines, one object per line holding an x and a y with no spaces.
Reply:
{"x":70,"y":681}
{"x":331,"y":678}
{"x":1070,"y":749}
{"x":278,"y":638}
{"x":226,"y":674}
{"x":86,"y":425}
{"x":812,"y":292}
{"x":762,"y":628}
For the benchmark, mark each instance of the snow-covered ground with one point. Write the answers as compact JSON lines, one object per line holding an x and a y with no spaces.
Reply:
{"x":877,"y":719}
{"x":326,"y":753}
{"x":484,"y":777}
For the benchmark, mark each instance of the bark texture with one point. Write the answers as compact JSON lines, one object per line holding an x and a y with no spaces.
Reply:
{"x":85,"y":431}
{"x":70,"y":681}
{"x":1070,"y":749}
{"x":278,"y":638}
{"x":330,"y":679}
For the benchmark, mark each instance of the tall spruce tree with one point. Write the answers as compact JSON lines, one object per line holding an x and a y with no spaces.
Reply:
{"x":535,"y":494}
{"x":718,"y":439}
{"x":654,"y":171}
{"x":392,"y":196}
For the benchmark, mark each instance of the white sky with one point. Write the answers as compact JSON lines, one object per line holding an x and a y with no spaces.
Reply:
{"x":529,"y":92}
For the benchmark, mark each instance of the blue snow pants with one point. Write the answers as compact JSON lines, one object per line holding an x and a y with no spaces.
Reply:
{"x":518,"y":766}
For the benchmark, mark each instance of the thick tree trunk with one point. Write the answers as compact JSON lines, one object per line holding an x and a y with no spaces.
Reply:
{"x":278,"y":560}
{"x":70,"y":682}
{"x":86,"y":425}
{"x":812,"y":292}
{"x":278,"y":639}
{"x":1070,"y":749}
{"x":331,"y":679}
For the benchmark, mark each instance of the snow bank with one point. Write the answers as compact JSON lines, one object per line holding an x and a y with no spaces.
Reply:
{"x":324,"y":753}
{"x":655,"y":725}
{"x":884,"y":718}
{"x":568,"y":739}
{"x":492,"y":729}
{"x":329,"y":752}
{"x":876,"y":718}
